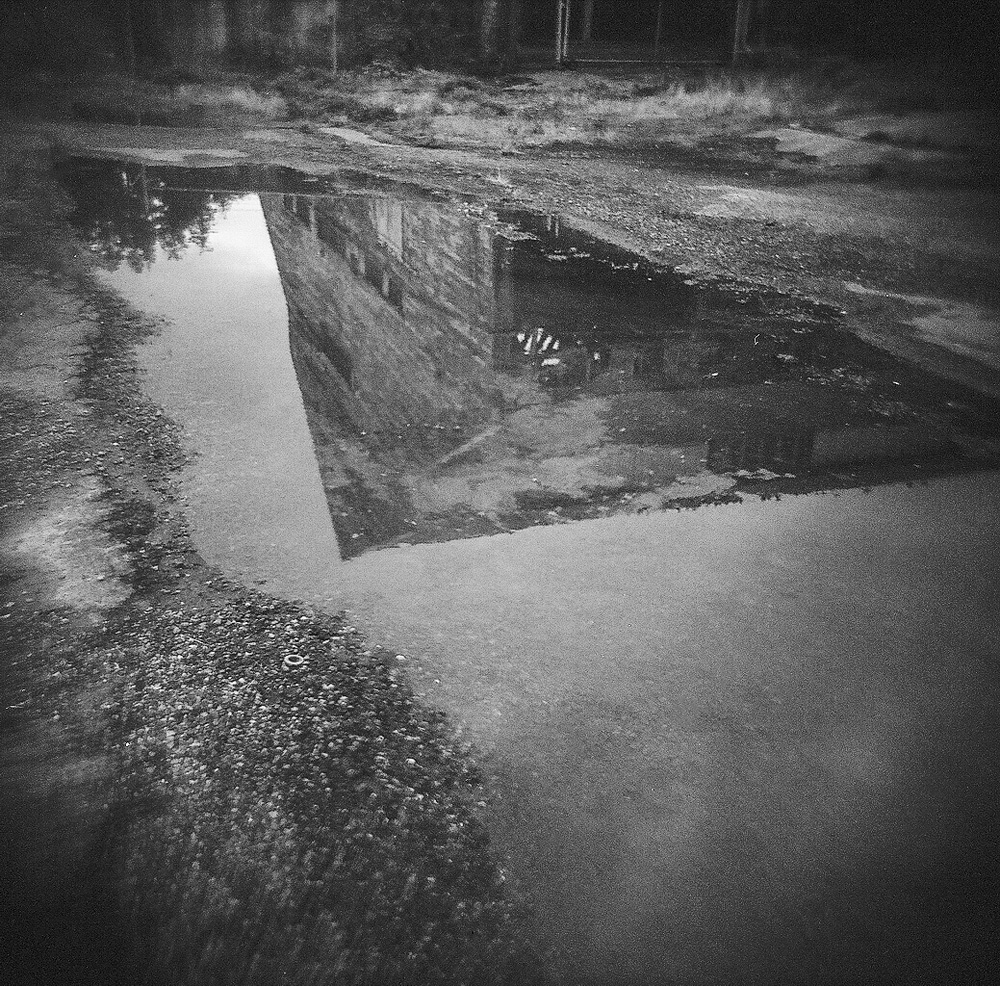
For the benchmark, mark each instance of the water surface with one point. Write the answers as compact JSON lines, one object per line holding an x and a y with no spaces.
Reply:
{"x":465,"y":371}
{"x":752,"y":741}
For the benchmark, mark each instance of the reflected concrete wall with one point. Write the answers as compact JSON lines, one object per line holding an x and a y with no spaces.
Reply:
{"x":391,"y":306}
{"x":416,"y":331}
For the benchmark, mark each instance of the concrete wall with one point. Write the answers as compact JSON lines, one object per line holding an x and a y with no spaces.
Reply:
{"x":405,"y":288}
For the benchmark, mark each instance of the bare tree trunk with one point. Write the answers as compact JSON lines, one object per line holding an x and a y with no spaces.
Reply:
{"x":514,"y":29}
{"x":489,"y":22}
{"x":332,"y":39}
{"x":587,"y":25}
{"x":760,"y":22}
{"x":658,"y":38}
{"x":126,"y":36}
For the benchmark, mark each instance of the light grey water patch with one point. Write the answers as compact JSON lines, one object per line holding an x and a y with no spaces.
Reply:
{"x":971,"y":331}
{"x":189,"y":156}
{"x":221,"y":367}
{"x":350,"y":136}
{"x":753,"y":743}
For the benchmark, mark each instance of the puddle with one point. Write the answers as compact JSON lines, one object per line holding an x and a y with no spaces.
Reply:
{"x":714,"y":725}
{"x":463,"y":372}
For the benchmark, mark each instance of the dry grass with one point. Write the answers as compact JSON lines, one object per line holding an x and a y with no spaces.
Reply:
{"x":569,"y":106}
{"x":544,"y":108}
{"x":229,"y":99}
{"x":185,"y":102}
{"x":116,"y":98}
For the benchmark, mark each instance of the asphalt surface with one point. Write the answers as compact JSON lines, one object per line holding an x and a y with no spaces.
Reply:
{"x":748,"y":743}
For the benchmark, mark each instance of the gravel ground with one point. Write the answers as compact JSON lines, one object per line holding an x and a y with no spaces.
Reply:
{"x":306,"y":817}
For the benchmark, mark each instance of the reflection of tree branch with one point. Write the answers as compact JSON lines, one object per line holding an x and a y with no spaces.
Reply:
{"x":126,"y":215}
{"x":144,"y":189}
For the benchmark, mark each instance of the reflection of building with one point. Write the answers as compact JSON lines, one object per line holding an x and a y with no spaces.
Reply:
{"x":570,"y":318}
{"x":397,"y":298}
{"x":787,"y":450}
{"x":440,"y":356}
{"x":390,"y":309}
{"x":858,"y":446}
{"x":804,"y":450}
{"x":420,"y":336}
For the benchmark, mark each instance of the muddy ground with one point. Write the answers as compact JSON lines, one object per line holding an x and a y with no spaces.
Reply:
{"x":174,"y":788}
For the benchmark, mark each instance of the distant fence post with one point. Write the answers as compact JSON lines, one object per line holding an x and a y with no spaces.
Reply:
{"x":489,"y":35}
{"x":741,"y":30}
{"x":513,"y":29}
{"x":587,"y":24}
{"x":126,"y":36}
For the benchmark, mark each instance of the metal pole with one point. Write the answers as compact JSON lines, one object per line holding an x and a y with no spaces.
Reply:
{"x":514,"y":30}
{"x":567,"y":9}
{"x":659,"y":29}
{"x":587,"y":26}
{"x":560,"y":10}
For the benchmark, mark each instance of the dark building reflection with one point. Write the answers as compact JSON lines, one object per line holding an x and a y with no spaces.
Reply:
{"x":464,"y":372}
{"x":415,"y":325}
{"x":390,"y":312}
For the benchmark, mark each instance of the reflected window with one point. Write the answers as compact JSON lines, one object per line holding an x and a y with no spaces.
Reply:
{"x":789,"y":449}
{"x":339,"y":357}
{"x":303,"y":209}
{"x":394,"y":293}
{"x":355,"y":259}
{"x":649,"y":362}
{"x":328,"y":232}
{"x":374,"y":274}
{"x":387,"y":216}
